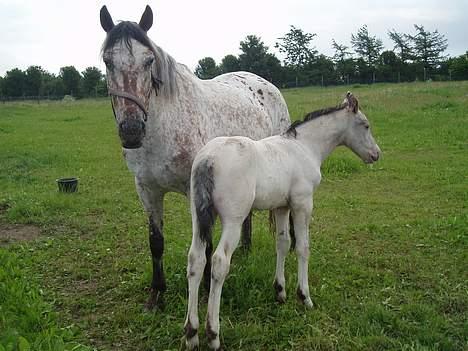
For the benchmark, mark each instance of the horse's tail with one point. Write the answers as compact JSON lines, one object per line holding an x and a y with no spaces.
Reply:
{"x":202,"y":195}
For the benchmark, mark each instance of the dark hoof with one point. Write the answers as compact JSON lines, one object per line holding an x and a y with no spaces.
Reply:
{"x":280,"y":294}
{"x":155,"y":301}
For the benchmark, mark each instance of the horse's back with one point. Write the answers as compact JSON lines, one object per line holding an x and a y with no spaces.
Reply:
{"x":263,"y":93}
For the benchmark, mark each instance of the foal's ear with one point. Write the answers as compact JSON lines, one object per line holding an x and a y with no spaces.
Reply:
{"x":353,"y":103}
{"x":146,"y":19}
{"x":106,"y":19}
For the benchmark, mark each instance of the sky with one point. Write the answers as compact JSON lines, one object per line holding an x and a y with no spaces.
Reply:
{"x":53,"y":34}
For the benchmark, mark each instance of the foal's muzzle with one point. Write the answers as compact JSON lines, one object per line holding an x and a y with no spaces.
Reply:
{"x":131,"y":132}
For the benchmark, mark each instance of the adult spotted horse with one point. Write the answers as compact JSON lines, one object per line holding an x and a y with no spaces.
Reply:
{"x":165,"y":114}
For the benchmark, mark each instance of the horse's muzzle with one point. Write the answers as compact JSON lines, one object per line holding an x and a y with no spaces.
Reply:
{"x":131,"y":132}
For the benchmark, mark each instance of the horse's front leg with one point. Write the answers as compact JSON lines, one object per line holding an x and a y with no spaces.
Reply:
{"x":152,"y":199}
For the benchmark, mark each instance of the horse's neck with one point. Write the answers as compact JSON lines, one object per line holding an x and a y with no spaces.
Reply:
{"x":323,"y":134}
{"x":165,"y":106}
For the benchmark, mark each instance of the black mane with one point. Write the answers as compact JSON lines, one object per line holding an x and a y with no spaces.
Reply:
{"x":126,"y":31}
{"x":291,"y":131}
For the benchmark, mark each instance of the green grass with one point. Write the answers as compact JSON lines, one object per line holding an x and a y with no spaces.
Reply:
{"x":388,"y":267}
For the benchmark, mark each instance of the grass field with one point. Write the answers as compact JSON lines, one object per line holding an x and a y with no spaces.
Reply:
{"x":388,"y":266}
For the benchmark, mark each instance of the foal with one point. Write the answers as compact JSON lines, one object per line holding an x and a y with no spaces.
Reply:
{"x":232,"y":175}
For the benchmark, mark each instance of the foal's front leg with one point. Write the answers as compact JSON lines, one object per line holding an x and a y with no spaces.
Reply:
{"x":301,"y":211}
{"x":221,"y":261}
{"x":282,"y":247}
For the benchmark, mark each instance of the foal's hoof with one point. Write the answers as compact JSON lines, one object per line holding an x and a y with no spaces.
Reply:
{"x":280,"y":292}
{"x":191,"y":336}
{"x":215,"y":345}
{"x":155,"y":301}
{"x":305,"y":300}
{"x":192,"y":343}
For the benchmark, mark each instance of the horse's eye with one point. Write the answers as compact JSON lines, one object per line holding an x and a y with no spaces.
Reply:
{"x":149,"y":61}
{"x":108,"y":63}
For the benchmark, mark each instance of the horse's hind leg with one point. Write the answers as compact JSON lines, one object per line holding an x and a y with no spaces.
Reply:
{"x":220,"y":267}
{"x":301,"y":211}
{"x":282,"y":248}
{"x":152,"y":199}
{"x":246,"y":240}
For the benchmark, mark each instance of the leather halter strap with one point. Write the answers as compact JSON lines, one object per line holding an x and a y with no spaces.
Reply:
{"x":130,"y":97}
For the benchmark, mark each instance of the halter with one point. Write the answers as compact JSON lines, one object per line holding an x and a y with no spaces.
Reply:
{"x":130,"y":97}
{"x":112,"y":92}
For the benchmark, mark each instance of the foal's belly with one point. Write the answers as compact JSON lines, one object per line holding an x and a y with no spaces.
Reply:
{"x":270,"y":196}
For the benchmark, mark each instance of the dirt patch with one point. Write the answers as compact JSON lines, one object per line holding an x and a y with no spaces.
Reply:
{"x":12,"y":233}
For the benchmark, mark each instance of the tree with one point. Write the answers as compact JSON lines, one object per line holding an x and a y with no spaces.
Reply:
{"x":296,"y":44}
{"x":33,"y":81}
{"x":206,"y":68}
{"x":91,"y":78}
{"x":71,"y":79}
{"x":366,"y":46}
{"x":52,"y":85}
{"x":229,"y":63}
{"x":14,"y":83}
{"x":389,"y":66}
{"x":402,"y":44}
{"x":428,"y":46}
{"x":344,"y":64}
{"x":321,"y":71}
{"x":255,"y":58}
{"x":459,"y":67}
{"x":253,"y":54}
{"x":272,"y":70}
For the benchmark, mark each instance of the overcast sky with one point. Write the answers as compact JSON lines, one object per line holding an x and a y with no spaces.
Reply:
{"x":52,"y":33}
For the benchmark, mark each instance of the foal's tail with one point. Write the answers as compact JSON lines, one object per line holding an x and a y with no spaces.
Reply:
{"x":202,"y":192}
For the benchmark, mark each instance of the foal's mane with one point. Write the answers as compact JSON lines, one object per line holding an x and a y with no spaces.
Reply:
{"x":164,"y":70}
{"x":291,"y":131}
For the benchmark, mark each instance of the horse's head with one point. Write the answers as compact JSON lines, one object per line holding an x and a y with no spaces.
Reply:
{"x":358,"y":136}
{"x":129,"y":57}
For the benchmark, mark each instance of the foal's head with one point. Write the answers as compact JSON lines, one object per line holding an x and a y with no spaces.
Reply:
{"x":130,"y":64}
{"x":358,"y":136}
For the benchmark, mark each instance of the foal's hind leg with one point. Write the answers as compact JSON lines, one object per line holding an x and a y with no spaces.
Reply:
{"x":220,"y":267}
{"x":196,"y":263}
{"x":282,"y":247}
{"x":301,"y":211}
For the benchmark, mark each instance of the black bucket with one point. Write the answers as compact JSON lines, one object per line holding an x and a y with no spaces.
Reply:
{"x":67,"y":185}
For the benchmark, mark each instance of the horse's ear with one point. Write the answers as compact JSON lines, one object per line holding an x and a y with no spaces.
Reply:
{"x":146,"y":19}
{"x":353,"y":103}
{"x":106,"y":19}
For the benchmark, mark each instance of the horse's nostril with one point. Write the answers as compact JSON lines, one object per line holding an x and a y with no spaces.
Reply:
{"x":131,"y":132}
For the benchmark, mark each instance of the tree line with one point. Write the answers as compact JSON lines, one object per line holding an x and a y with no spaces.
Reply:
{"x":414,"y":56}
{"x":37,"y":82}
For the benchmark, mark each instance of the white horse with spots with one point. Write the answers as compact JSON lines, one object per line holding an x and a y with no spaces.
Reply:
{"x":231,"y":175}
{"x":165,"y":114}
